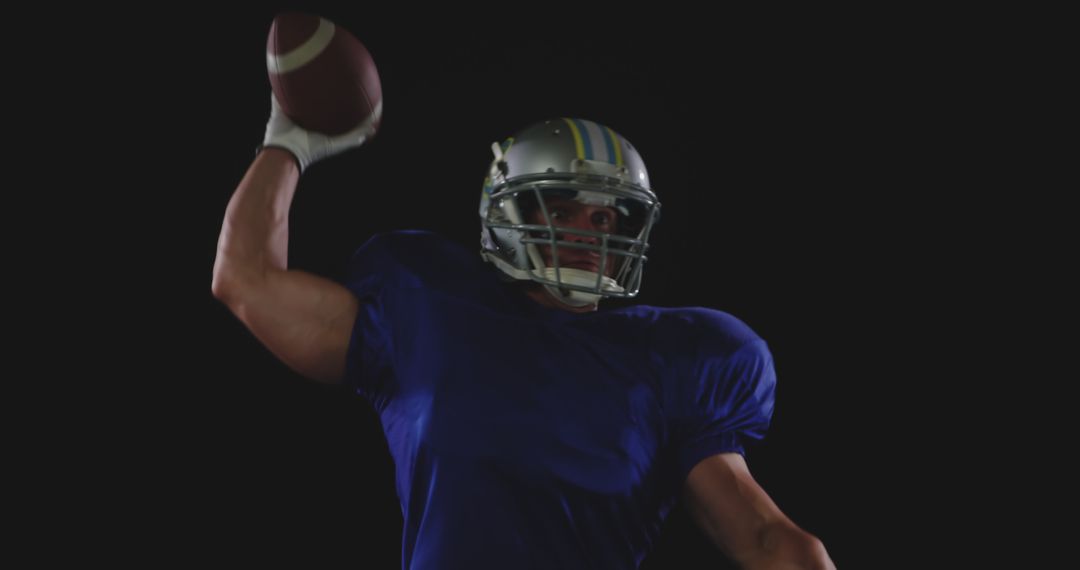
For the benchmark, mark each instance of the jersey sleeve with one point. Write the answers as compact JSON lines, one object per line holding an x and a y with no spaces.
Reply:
{"x":395,"y":276}
{"x":724,"y":401}
{"x":372,"y":272}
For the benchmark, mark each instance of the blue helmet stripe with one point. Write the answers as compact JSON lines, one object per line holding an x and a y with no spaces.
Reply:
{"x":586,"y":142}
{"x":613,"y":158}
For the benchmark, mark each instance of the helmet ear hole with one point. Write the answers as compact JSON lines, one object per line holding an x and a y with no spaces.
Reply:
{"x":527,"y":205}
{"x":633,"y":216}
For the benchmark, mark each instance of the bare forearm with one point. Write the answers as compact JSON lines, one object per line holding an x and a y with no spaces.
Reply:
{"x":743,"y":521}
{"x":784,"y":546}
{"x":255,"y":234}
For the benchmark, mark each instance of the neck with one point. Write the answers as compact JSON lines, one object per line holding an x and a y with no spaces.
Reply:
{"x":541,"y":295}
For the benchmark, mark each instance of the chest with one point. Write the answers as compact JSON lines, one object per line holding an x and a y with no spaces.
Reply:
{"x":544,"y":401}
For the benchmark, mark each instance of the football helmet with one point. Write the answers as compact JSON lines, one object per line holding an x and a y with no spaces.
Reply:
{"x":567,"y":159}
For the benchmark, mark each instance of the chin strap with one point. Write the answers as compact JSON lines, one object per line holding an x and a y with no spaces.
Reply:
{"x":573,"y":298}
{"x":579,"y":277}
{"x":567,"y":275}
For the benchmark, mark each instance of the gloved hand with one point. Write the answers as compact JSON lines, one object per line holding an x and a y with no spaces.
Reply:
{"x":310,"y":147}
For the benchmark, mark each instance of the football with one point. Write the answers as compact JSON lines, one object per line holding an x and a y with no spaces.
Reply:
{"x":322,"y":76}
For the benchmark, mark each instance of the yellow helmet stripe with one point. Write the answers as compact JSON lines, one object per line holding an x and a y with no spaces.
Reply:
{"x":616,"y":143}
{"x":579,"y":143}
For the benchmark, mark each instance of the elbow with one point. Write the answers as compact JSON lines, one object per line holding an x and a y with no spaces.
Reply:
{"x":219,"y":288}
{"x":814,"y":555}
{"x":223,"y":285}
{"x":795,"y":546}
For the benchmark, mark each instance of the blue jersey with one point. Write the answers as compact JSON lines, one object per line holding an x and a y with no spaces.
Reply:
{"x":531,"y":437}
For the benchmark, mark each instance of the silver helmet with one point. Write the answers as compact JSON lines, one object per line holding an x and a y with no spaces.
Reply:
{"x":569,"y":159}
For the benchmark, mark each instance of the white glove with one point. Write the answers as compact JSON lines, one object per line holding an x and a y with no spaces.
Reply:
{"x":310,"y":147}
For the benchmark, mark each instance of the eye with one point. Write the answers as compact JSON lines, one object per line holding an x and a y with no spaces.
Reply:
{"x":602,"y":219}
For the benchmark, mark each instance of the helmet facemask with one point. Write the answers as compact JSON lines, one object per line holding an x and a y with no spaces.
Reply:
{"x":518,"y":229}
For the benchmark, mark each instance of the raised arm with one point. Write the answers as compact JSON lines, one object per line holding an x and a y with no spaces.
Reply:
{"x":304,"y":319}
{"x":744,"y":522}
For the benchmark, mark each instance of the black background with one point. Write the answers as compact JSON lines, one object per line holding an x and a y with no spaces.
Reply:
{"x":814,"y":179}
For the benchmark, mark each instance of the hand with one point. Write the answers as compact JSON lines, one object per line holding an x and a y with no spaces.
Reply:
{"x":310,"y":147}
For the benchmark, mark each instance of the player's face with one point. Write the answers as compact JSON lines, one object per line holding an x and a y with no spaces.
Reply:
{"x":569,"y":213}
